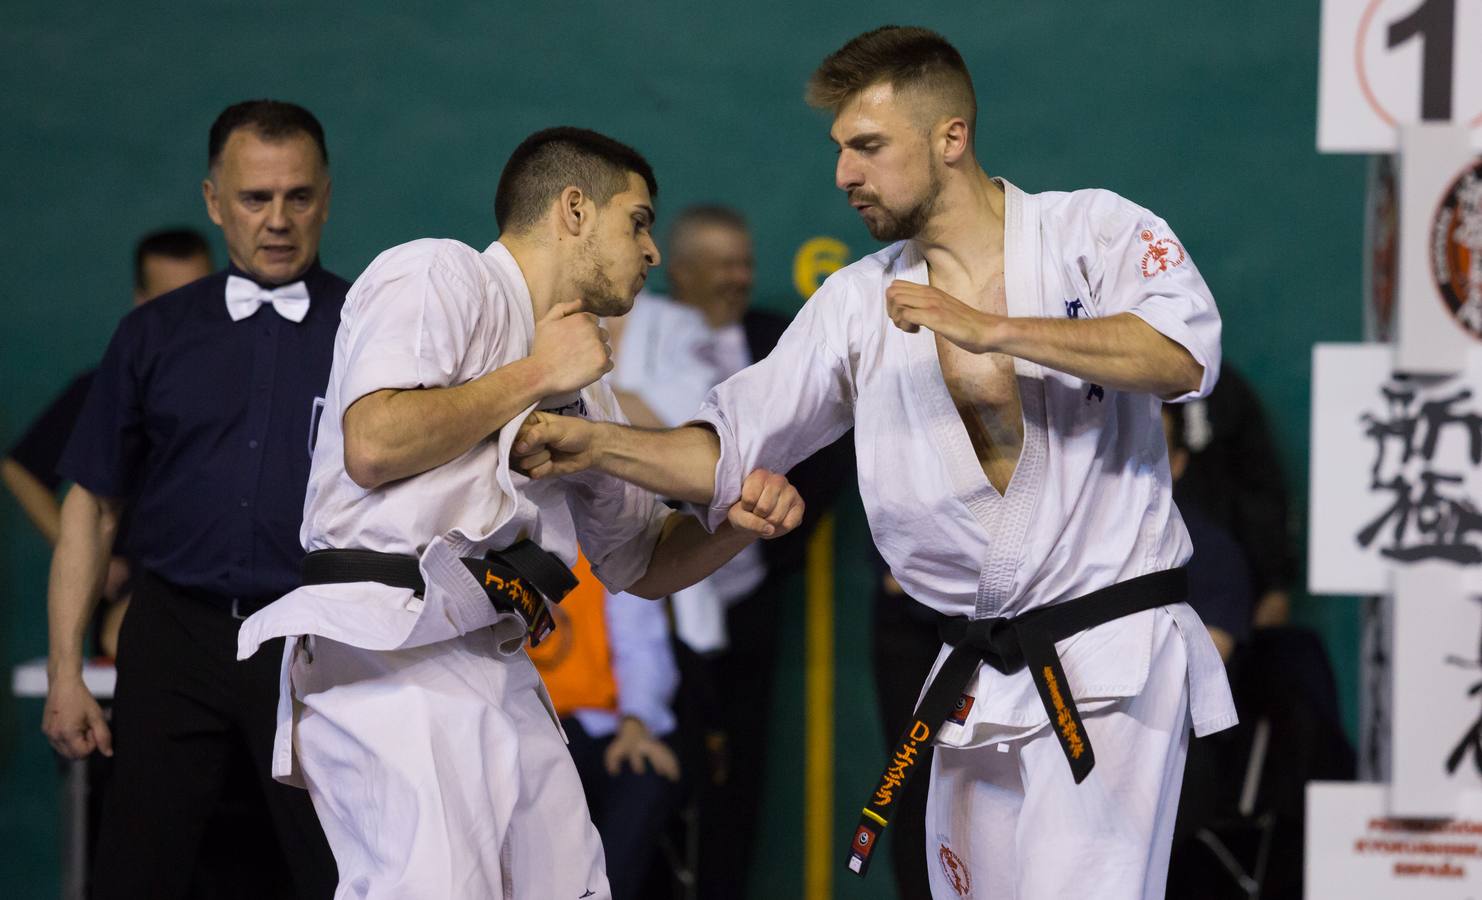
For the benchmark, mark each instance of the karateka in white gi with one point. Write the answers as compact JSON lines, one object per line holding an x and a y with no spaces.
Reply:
{"x":1002,"y":364}
{"x":414,"y":717}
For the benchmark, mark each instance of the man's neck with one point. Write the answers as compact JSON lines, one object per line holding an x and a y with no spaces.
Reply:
{"x":541,"y":272}
{"x":265,"y":282}
{"x":963,"y":241}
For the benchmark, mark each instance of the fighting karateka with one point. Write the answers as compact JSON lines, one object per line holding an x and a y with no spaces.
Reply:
{"x":408,"y":706}
{"x":1002,"y":364}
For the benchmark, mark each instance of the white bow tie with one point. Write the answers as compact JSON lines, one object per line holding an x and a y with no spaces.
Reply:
{"x":243,"y":297}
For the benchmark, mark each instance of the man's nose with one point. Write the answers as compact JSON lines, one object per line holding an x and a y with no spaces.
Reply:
{"x":278,"y":215}
{"x":846,"y":173}
{"x":650,"y":251}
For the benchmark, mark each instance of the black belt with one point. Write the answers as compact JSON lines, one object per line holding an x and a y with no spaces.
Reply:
{"x":506,"y":576}
{"x":1008,"y":645}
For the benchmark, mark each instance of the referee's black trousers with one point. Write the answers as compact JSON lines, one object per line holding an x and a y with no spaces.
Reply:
{"x":183,"y":710}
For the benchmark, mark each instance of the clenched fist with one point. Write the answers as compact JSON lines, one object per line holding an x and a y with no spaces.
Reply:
{"x":548,"y":446}
{"x":913,"y":306}
{"x":571,"y":348}
{"x":769,"y":506}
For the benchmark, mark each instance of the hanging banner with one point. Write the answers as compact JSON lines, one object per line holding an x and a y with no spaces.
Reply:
{"x":1386,"y":64}
{"x":1436,"y":716}
{"x":1396,"y":470}
{"x":1440,"y":277}
{"x":1357,"y":851}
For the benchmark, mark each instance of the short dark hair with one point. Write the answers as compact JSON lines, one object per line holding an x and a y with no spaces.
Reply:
{"x":273,"y":120}
{"x":903,"y":57}
{"x":547,"y":162}
{"x":176,"y":243}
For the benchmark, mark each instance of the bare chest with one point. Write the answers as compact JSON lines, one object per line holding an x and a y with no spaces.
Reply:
{"x":985,"y":391}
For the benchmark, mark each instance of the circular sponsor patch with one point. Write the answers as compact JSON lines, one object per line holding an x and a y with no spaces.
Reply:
{"x":1456,"y":249}
{"x":955,"y":871}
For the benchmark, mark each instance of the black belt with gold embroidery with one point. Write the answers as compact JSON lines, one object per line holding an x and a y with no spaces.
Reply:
{"x":1009,"y":645}
{"x":520,"y":579}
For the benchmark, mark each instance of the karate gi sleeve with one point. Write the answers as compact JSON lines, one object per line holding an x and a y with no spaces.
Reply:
{"x":409,"y":320}
{"x":642,"y":661}
{"x":617,"y":523}
{"x":778,"y":412}
{"x":1143,"y":269}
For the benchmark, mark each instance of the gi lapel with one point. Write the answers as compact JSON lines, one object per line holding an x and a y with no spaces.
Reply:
{"x":1005,"y":518}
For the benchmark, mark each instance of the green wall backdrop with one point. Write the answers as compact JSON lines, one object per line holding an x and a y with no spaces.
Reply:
{"x":1203,"y":111}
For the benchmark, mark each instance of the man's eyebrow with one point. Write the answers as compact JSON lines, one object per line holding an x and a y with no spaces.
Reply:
{"x":858,"y":141}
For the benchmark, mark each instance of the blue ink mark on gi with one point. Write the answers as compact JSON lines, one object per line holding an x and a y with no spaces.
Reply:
{"x":1074,"y":308}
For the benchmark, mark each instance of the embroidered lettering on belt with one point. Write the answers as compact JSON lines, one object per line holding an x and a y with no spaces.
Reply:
{"x":902,"y":760}
{"x":1063,"y":720}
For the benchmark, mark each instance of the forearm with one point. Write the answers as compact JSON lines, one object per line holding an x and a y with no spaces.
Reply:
{"x":78,"y":566}
{"x":678,"y":463}
{"x":1121,"y":352}
{"x":37,"y":501}
{"x":687,"y":553}
{"x":390,"y":435}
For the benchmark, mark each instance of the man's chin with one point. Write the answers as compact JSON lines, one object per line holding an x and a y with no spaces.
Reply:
{"x":280,"y":272}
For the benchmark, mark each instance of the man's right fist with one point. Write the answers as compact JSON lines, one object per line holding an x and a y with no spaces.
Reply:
{"x":73,"y":722}
{"x":571,"y":348}
{"x":548,"y":446}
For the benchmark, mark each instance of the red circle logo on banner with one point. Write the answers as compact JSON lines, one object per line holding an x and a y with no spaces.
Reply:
{"x":1455,"y":249}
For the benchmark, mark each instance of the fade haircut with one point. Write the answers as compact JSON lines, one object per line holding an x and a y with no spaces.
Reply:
{"x":176,"y":243}
{"x":701,"y":216}
{"x":548,"y":162}
{"x":272,"y":120}
{"x":907,"y":59}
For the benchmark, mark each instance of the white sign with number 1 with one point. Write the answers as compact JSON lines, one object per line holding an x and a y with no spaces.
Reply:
{"x":1390,"y":63}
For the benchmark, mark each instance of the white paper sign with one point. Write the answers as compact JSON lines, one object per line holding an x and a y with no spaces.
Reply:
{"x":1390,"y":63}
{"x":1440,"y":276}
{"x":1436,"y":741}
{"x":1396,"y":469}
{"x":1355,"y":851}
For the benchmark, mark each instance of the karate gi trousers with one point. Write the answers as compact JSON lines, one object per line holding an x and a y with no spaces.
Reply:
{"x":440,"y":772}
{"x":1006,"y":820}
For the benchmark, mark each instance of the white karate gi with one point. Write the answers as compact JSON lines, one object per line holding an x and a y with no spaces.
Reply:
{"x":670,"y":358}
{"x":418,"y":724}
{"x":1090,"y":504}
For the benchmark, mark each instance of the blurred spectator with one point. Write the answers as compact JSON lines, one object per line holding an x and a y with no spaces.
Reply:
{"x":611,"y":677}
{"x":1221,"y":588}
{"x":201,"y":420}
{"x":1234,"y":477}
{"x":667,"y":355}
{"x":163,"y":261}
{"x":1245,"y":787}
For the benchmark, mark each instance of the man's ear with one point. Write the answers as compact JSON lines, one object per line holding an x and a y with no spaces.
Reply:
{"x":209,"y":195}
{"x":575,"y":210}
{"x":954,"y":139}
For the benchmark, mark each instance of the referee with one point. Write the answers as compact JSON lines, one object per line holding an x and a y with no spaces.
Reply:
{"x":201,"y":420}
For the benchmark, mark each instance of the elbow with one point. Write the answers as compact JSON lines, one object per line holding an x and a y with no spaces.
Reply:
{"x":1187,"y":377}
{"x":366,"y":464}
